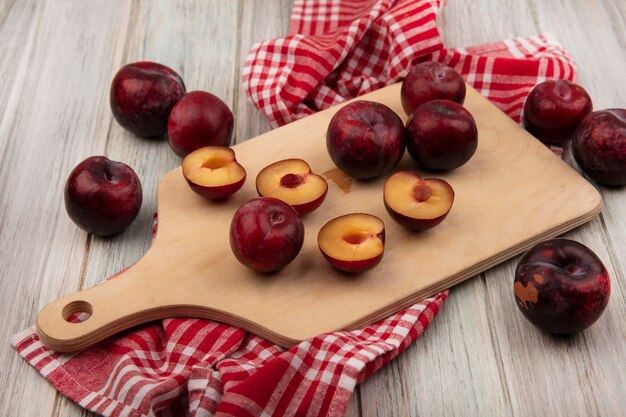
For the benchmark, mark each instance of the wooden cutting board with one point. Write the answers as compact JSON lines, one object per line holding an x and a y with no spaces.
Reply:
{"x":512,"y":194}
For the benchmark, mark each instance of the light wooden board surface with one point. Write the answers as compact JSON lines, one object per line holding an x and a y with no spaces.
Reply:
{"x":510,"y":172}
{"x":480,"y":357}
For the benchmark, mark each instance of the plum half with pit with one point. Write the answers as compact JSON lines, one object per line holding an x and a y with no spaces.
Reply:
{"x":292,"y":181}
{"x":415,"y":203}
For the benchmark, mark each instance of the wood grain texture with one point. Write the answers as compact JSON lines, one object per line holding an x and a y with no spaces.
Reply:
{"x":249,"y":121}
{"x":46,"y":129}
{"x":49,"y":45}
{"x":177,"y":278}
{"x":195,"y":39}
{"x":275,"y":17}
{"x":540,"y":375}
{"x":453,"y":369}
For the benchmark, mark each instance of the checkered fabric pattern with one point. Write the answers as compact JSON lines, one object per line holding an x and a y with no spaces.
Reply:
{"x":335,"y":50}
{"x":194,"y":367}
{"x":340,"y":49}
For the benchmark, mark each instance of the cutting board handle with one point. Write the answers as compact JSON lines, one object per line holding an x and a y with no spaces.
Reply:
{"x":115,"y":305}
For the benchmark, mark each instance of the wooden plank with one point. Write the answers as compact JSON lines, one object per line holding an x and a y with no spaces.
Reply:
{"x":47,"y":127}
{"x":440,"y":375}
{"x":601,"y":381}
{"x":175,"y":277}
{"x":493,"y":21}
{"x":453,"y":369}
{"x":474,"y":23}
{"x":250,"y":122}
{"x":167,"y":33}
{"x":196,"y":39}
{"x":180,"y":35}
{"x":586,"y":382}
{"x":601,"y":82}
{"x":17,"y":30}
{"x":582,"y":363}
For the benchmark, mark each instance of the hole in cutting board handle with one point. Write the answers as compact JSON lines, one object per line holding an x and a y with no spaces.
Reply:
{"x":77,"y":311}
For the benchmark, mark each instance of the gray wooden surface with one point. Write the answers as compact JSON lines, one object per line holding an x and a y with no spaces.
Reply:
{"x":480,"y":357}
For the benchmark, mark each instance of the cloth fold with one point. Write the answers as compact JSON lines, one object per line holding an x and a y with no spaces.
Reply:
{"x":338,"y":50}
{"x":335,"y":50}
{"x":194,"y":367}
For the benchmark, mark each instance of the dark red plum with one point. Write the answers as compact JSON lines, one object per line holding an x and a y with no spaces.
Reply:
{"x":429,"y":81}
{"x":365,"y":139}
{"x":199,"y":119}
{"x":266,"y":234}
{"x":561,"y":286}
{"x":102,"y":196}
{"x":441,"y":135}
{"x":553,"y":110}
{"x":142,"y":96}
{"x":599,"y":146}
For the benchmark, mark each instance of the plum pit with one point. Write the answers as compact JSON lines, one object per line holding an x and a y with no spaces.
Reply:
{"x":291,"y":180}
{"x":422,"y":192}
{"x":355,"y":238}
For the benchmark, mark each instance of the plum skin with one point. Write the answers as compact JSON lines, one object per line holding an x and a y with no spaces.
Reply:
{"x":219,"y":192}
{"x":103,"y":197}
{"x":553,"y":110}
{"x":441,"y":135}
{"x":561,"y":286}
{"x":197,"y":120}
{"x":410,"y":223}
{"x":266,"y":234}
{"x":366,"y":139}
{"x":354,"y":267}
{"x":311,"y":206}
{"x":142,"y":96}
{"x":599,"y":146}
{"x":429,"y":81}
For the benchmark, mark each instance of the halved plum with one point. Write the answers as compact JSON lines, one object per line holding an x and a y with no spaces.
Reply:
{"x":415,"y":203}
{"x":292,"y":181}
{"x":213,"y":172}
{"x":354,"y":242}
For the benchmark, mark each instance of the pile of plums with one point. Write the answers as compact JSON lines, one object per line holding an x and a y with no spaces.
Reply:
{"x":103,"y":197}
{"x":365,"y":140}
{"x":560,"y":285}
{"x":557,"y":111}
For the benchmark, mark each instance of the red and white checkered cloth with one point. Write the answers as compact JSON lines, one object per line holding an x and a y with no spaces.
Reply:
{"x":194,"y":367}
{"x":190,"y":367}
{"x":340,"y":49}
